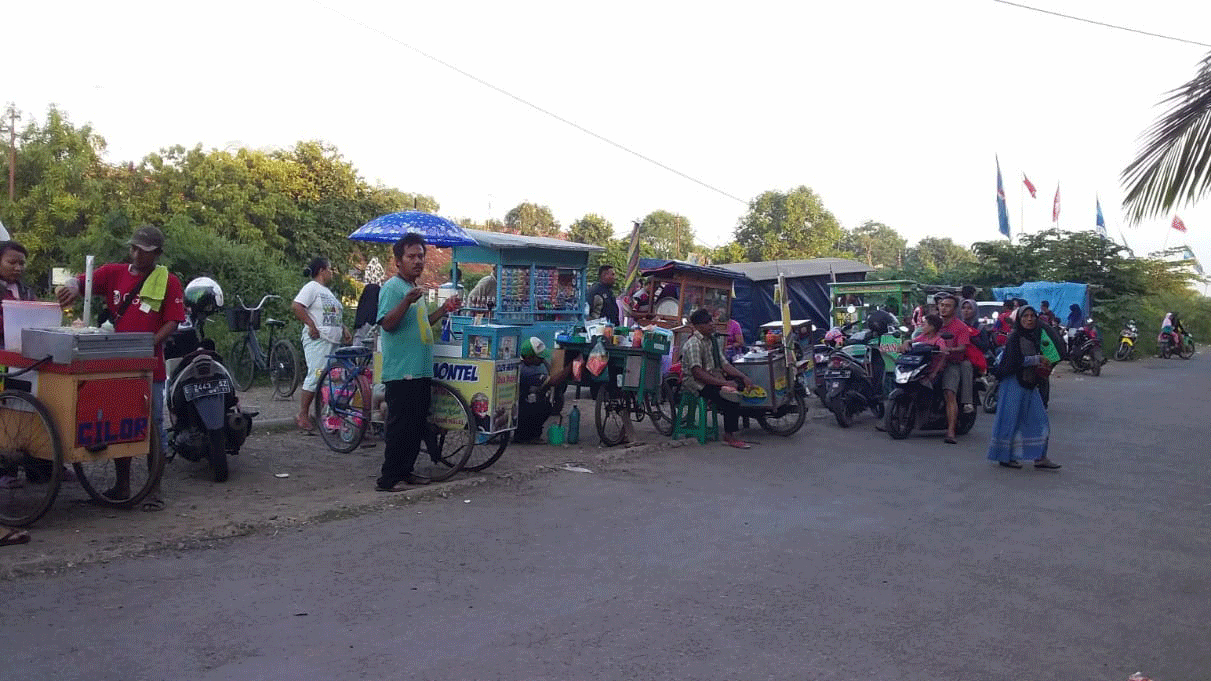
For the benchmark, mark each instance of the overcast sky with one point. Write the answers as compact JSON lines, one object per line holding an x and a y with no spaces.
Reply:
{"x":891,"y":111}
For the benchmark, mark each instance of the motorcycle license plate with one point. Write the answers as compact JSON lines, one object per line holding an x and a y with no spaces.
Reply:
{"x":837,"y":373}
{"x":219,"y":386}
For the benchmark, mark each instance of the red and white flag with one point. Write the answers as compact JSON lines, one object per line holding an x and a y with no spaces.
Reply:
{"x":1029,"y":186}
{"x":1178,"y":224}
{"x":1055,"y":207}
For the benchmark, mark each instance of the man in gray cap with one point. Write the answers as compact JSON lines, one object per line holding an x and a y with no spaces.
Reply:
{"x":139,"y":296}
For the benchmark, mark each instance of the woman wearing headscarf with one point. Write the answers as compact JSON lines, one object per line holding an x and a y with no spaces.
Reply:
{"x":1022,"y":429}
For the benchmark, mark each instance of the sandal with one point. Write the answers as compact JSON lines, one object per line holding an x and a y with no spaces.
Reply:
{"x":306,"y":427}
{"x":1048,"y":465}
{"x":12,"y":537}
{"x":738,"y":444}
{"x":153,"y":505}
{"x":1012,"y":463}
{"x":951,"y":441}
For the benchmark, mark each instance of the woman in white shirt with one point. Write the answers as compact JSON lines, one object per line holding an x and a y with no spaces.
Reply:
{"x":322,"y":315}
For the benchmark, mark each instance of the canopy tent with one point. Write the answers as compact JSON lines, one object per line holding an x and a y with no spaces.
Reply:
{"x":806,"y":282}
{"x":1059,"y":294}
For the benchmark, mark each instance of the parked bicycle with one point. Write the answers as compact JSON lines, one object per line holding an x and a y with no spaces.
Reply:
{"x":247,"y":356}
{"x":343,"y":414}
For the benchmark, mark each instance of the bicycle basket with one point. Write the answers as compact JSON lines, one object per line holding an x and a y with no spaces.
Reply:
{"x":239,"y":319}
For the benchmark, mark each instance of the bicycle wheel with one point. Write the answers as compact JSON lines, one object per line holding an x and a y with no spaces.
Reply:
{"x":242,"y":364}
{"x":449,"y":440}
{"x":31,"y":459}
{"x":492,"y":448}
{"x":283,"y":368}
{"x":100,"y":477}
{"x":611,"y":414}
{"x":342,"y":408}
{"x":662,"y":405}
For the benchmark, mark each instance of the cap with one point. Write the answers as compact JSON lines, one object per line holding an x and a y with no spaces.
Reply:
{"x":148,"y":239}
{"x":534,"y":348}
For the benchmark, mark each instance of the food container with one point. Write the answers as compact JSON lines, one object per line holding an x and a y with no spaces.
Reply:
{"x":28,"y":314}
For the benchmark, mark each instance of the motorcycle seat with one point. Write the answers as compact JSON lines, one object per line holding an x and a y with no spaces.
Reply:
{"x":275,"y":323}
{"x":352,"y":352}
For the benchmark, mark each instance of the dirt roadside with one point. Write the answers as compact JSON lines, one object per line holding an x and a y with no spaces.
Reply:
{"x":318,"y":485}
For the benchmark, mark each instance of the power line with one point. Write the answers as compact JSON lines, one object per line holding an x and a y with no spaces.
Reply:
{"x":532,"y":105}
{"x":1102,"y":23}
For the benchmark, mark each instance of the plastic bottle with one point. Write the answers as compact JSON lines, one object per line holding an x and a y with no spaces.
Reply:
{"x":573,"y":433}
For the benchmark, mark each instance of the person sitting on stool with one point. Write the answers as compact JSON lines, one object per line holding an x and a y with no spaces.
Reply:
{"x":707,"y":374}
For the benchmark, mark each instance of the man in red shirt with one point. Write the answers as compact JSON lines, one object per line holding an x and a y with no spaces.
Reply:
{"x":957,"y":376}
{"x":156,"y":307}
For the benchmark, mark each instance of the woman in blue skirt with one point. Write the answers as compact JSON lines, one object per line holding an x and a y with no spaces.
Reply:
{"x":1022,"y":429}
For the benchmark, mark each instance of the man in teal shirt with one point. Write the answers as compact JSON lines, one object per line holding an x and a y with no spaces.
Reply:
{"x":407,"y":340}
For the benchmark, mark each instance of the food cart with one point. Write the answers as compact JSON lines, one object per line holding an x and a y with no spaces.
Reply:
{"x":78,"y":396}
{"x":540,"y":283}
{"x":671,"y":290}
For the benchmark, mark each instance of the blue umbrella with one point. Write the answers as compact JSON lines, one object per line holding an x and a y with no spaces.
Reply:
{"x":436,"y":230}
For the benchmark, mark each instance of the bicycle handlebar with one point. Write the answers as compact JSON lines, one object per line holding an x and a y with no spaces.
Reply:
{"x":260,"y":304}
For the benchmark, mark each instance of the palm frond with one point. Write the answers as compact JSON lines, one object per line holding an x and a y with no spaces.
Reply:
{"x":1174,"y":165}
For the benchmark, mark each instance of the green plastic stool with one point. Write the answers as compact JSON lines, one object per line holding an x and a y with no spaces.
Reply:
{"x":690,"y":418}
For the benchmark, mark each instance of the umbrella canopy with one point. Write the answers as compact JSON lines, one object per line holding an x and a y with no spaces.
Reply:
{"x":436,"y":230}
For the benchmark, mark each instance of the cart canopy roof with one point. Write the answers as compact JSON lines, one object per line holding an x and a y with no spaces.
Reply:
{"x":650,"y":266}
{"x":793,"y":269}
{"x":500,"y":240}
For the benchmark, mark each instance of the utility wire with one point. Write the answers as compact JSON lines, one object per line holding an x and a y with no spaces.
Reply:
{"x":530,"y":104}
{"x":1102,"y":23}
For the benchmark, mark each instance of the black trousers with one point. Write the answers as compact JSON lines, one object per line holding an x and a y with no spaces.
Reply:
{"x":729,"y":409}
{"x":407,"y":419}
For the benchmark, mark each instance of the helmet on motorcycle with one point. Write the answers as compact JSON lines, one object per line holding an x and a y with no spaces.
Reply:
{"x":204,"y":295}
{"x":879,"y":321}
{"x":834,"y":334}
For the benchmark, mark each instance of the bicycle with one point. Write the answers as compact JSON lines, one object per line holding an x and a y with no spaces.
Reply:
{"x":343,"y":402}
{"x":247,"y":356}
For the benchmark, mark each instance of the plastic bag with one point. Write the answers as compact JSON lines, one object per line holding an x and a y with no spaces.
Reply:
{"x":597,"y":359}
{"x":577,"y":368}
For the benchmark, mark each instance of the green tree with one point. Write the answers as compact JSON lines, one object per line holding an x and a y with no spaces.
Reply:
{"x":938,"y":255}
{"x":1174,"y":165}
{"x":876,"y":244}
{"x":788,"y":225}
{"x":668,"y":234}
{"x":729,"y":252}
{"x":591,"y":229}
{"x":532,"y":219}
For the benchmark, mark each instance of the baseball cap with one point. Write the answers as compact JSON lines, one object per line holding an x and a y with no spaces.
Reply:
{"x":534,"y":348}
{"x":147,"y":238}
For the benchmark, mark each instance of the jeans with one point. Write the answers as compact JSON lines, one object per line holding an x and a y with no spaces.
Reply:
{"x":729,"y":409}
{"x":407,"y":421}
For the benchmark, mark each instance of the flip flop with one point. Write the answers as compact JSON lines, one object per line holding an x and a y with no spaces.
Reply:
{"x":153,"y":505}
{"x":1048,"y":466}
{"x":10,"y":482}
{"x":738,"y":444}
{"x":14,"y":537}
{"x":951,"y":441}
{"x":1011,"y":464}
{"x":306,"y":428}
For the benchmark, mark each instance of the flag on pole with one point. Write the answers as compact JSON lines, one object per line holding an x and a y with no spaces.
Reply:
{"x":1101,"y":221}
{"x":1029,"y":186}
{"x":632,"y":257}
{"x":1178,"y":224}
{"x":1002,"y":211}
{"x":1125,"y":244}
{"x":1055,"y":206}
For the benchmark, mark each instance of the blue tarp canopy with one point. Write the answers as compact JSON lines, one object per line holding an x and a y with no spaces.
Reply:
{"x":806,"y":283}
{"x":1060,"y":295}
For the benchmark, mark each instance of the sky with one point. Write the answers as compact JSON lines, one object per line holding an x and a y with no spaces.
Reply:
{"x":890,"y":111}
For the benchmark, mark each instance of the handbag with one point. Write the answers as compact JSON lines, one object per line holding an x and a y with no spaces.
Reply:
{"x":976,"y":358}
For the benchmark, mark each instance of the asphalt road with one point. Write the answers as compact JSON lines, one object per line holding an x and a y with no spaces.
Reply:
{"x":836,"y":555}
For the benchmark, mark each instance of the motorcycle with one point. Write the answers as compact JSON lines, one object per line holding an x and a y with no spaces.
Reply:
{"x":1170,"y":345}
{"x":207,"y":420}
{"x":1085,"y":349}
{"x":989,"y":382}
{"x":917,"y":402}
{"x":1126,"y":341}
{"x":855,"y":374}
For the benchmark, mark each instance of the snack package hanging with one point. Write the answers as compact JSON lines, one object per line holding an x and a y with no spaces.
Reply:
{"x":597,"y":359}
{"x":577,"y":368}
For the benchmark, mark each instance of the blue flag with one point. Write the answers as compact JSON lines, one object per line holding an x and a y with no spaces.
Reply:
{"x":1002,"y":212}
{"x":1101,"y":221}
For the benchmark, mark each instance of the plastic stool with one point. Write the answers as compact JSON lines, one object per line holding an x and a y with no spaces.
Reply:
{"x":694,"y":408}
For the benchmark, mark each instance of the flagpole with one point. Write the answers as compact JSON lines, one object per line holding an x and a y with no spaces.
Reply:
{"x":1021,"y":209}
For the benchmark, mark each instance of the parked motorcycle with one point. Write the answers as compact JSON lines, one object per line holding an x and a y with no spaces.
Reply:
{"x":207,"y":421}
{"x":1085,"y":349}
{"x":855,"y":376}
{"x":916,"y":402}
{"x":1169,"y":345}
{"x":1126,"y":341}
{"x":988,"y":382}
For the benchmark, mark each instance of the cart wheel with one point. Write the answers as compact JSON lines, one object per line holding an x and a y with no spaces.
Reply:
{"x":99,"y":477}
{"x":662,"y":406}
{"x":789,"y":422}
{"x":283,"y":368}
{"x":451,"y":433}
{"x":31,"y":482}
{"x":611,"y":414}
{"x":495,"y":446}
{"x":342,"y":409}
